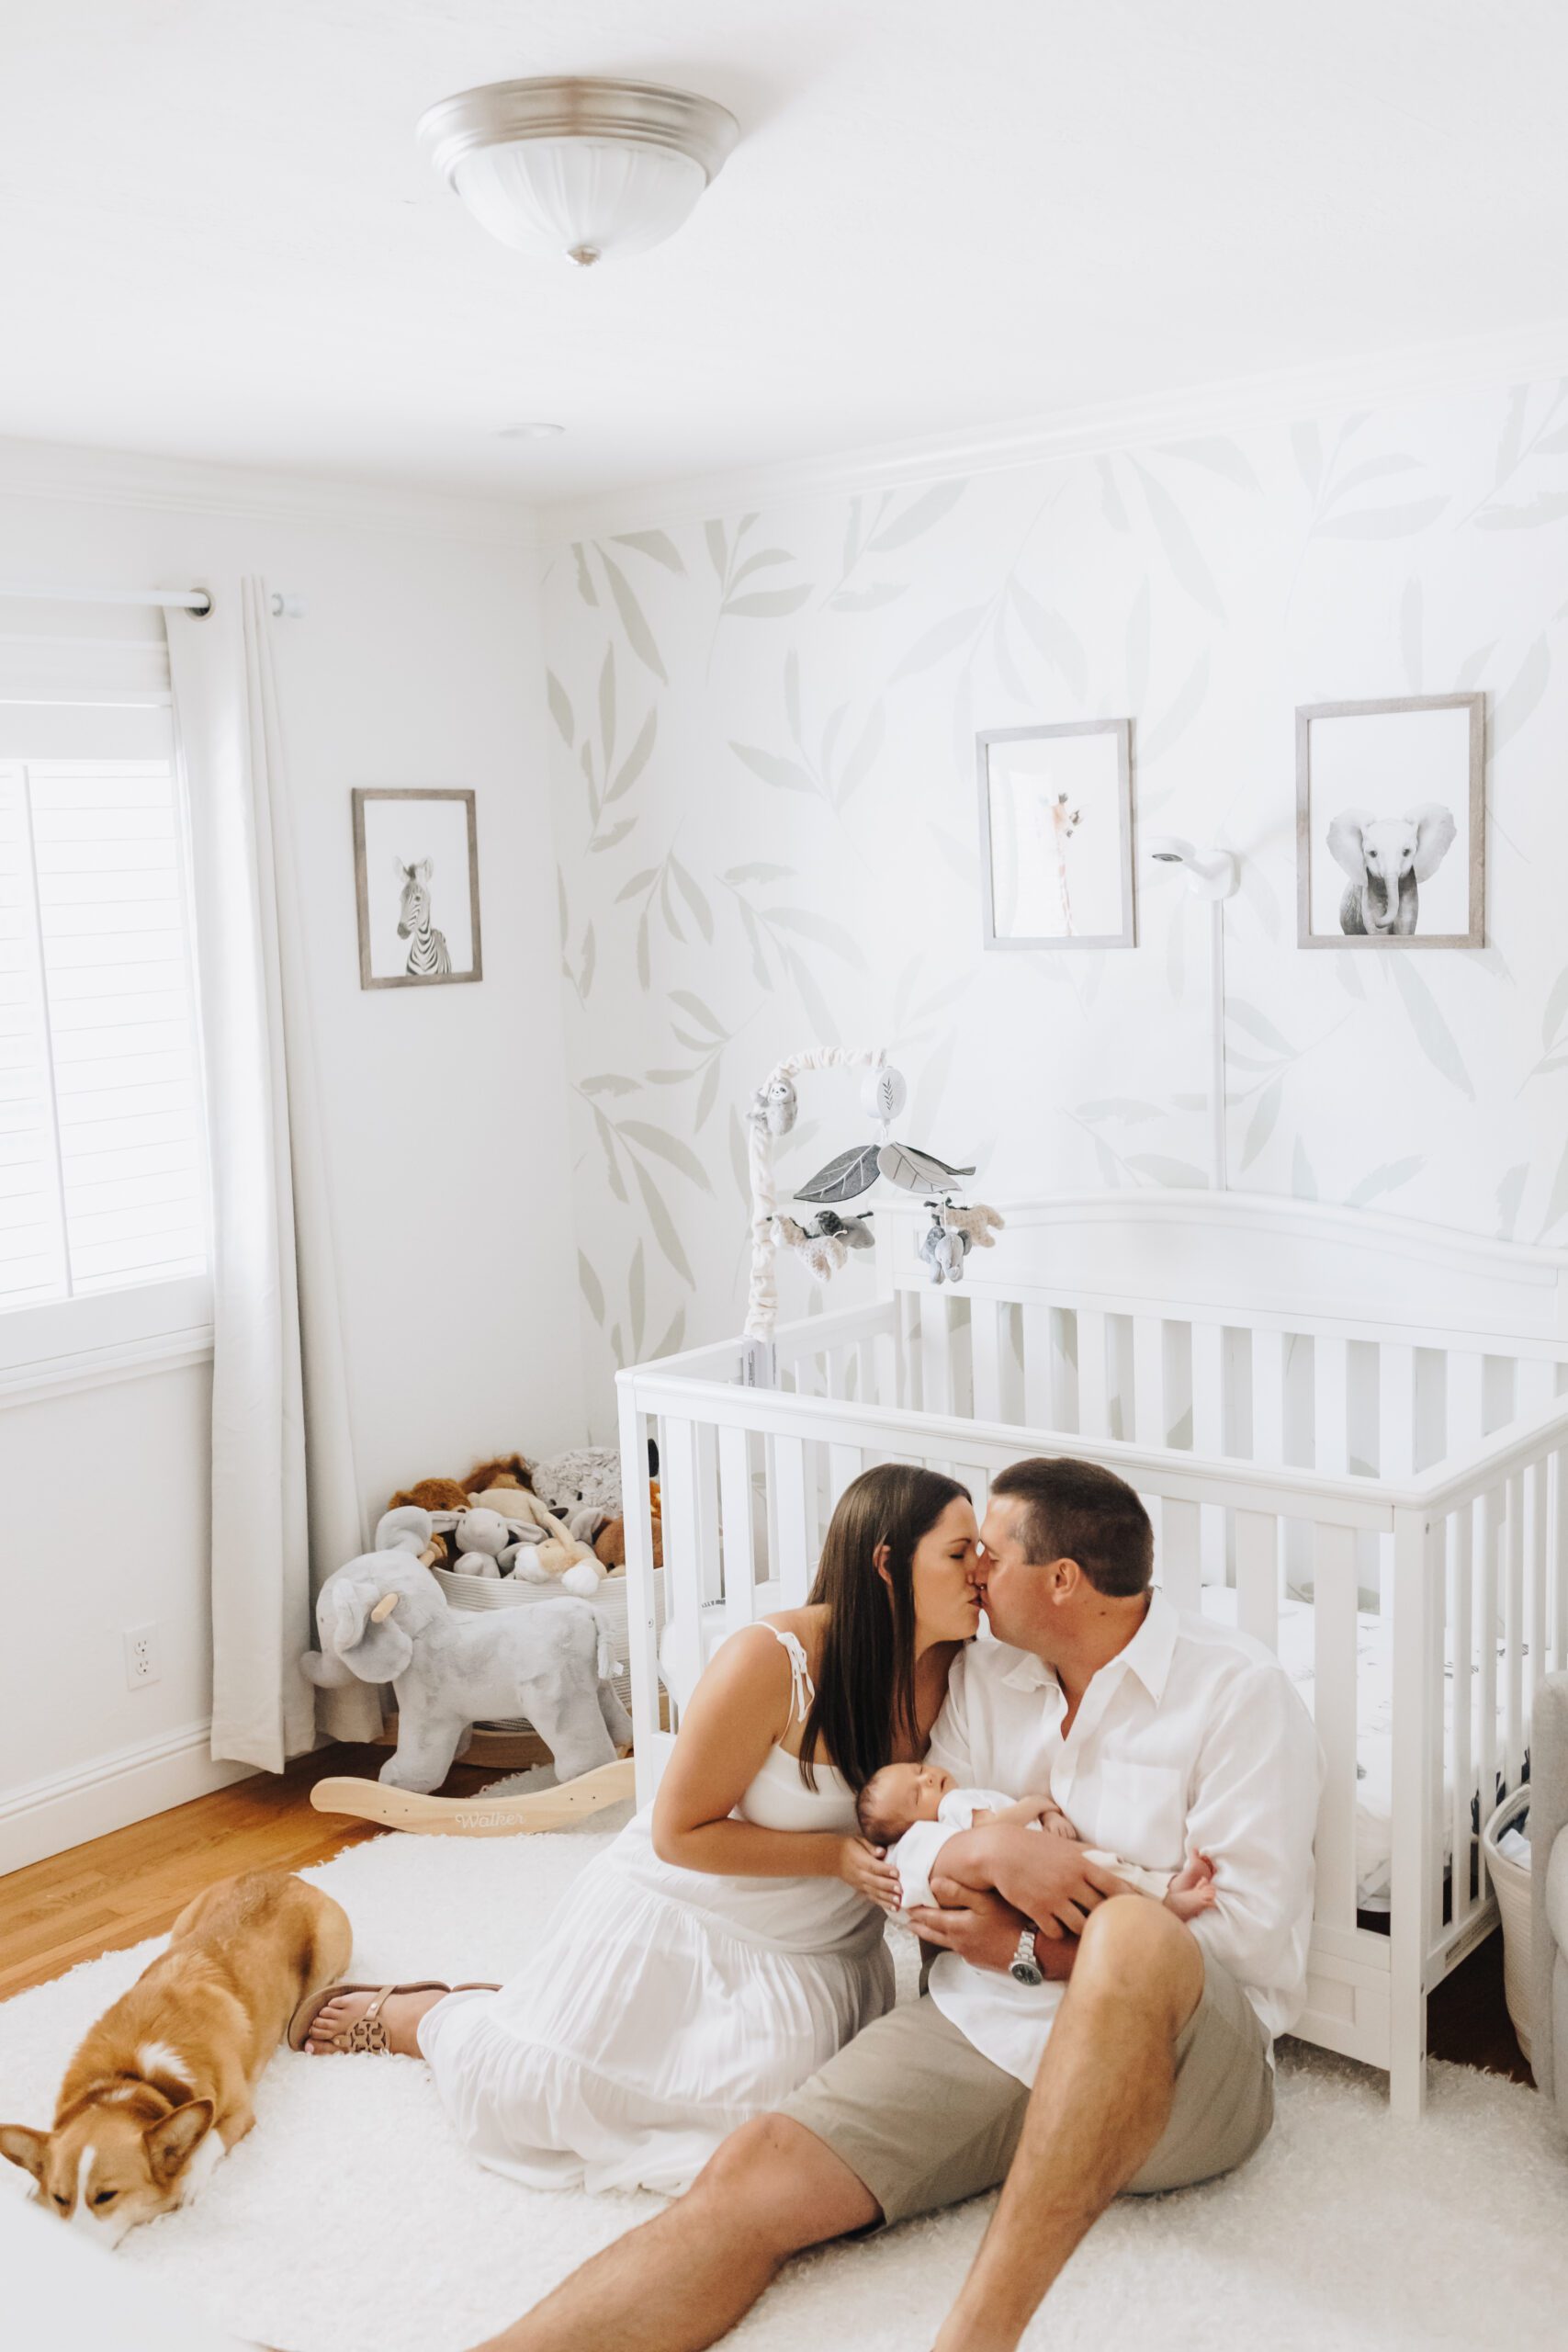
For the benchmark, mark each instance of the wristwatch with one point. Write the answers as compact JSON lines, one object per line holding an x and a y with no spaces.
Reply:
{"x":1023,"y":1968}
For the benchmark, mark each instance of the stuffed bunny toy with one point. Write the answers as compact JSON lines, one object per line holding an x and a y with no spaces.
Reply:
{"x":533,"y":1545}
{"x":486,"y":1544}
{"x":383,"y":1618}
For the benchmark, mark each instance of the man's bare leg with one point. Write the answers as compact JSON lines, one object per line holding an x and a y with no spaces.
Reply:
{"x":683,"y":2279}
{"x":1100,"y":2101}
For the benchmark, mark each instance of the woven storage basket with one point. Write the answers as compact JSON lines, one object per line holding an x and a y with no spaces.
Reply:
{"x":512,"y":1592}
{"x":1511,"y":1884}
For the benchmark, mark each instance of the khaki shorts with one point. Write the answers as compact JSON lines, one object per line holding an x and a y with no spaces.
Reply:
{"x":924,"y":2120}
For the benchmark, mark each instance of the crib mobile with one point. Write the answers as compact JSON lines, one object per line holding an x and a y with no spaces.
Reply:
{"x":824,"y":1244}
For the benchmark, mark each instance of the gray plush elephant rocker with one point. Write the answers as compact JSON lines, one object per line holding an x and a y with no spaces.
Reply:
{"x":383,"y":1618}
{"x":1387,"y":858}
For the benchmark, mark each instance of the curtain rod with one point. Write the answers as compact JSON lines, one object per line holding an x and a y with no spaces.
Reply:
{"x":187,"y":600}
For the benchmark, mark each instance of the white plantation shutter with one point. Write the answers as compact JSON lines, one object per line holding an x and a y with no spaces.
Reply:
{"x":102,"y":1162}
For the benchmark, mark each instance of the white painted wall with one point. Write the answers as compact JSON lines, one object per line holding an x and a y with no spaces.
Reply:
{"x":416,"y":663}
{"x":795,"y":858}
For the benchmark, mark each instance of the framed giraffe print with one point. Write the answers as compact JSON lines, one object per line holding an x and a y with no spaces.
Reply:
{"x":1057,"y":835}
{"x":416,"y":875}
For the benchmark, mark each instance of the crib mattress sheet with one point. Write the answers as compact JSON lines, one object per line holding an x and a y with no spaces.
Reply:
{"x":1374,"y":1732}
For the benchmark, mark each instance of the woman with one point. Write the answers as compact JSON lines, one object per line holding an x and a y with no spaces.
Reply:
{"x":731,"y":1939}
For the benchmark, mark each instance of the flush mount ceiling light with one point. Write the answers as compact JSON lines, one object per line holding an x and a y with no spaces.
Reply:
{"x":586,"y":168}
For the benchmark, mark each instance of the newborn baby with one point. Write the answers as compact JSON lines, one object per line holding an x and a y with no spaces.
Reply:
{"x":914,"y":1809}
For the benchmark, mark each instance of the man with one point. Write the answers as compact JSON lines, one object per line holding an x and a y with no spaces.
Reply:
{"x":1147,"y":2042}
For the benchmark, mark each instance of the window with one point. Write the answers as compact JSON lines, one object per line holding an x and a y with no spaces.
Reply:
{"x":102,"y":1158}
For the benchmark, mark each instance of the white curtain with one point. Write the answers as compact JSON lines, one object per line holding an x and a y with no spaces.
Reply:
{"x":285,"y":1503}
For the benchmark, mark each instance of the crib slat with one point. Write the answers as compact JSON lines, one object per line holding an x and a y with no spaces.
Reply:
{"x":683,"y":1552}
{"x":1038,"y":1409}
{"x":734,"y":1528}
{"x":642,"y":1631}
{"x":845,"y":1463}
{"x":1331,"y":1422}
{"x":1333,"y":1711}
{"x":1064,"y":1371}
{"x":1460,"y":1538}
{"x":1258,"y":1575}
{"x":1467,"y":1401}
{"x":1181,"y":1575}
{"x":1094,"y":1393}
{"x":908,"y":1357}
{"x":1396,"y":1410}
{"x":978,"y":1478}
{"x":936,"y":1354}
{"x":1535,"y":1545}
{"x":1557,"y":1600}
{"x":1269,"y":1395}
{"x":1486,"y":1756}
{"x":794,"y":1562}
{"x":710,"y":1563}
{"x":1514,"y":1636}
{"x":1418,"y":1717}
{"x":1208,"y":1435}
{"x":1208,"y":1388}
{"x":986,"y":1344}
{"x":1148,"y":1380}
{"x":885,"y":1358}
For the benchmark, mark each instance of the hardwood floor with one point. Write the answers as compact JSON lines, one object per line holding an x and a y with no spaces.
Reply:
{"x":122,"y":1888}
{"x":131,"y":1885}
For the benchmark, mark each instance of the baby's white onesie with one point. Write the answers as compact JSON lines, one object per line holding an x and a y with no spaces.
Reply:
{"x":914,"y":1856}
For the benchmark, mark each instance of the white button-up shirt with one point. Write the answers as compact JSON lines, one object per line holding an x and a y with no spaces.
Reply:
{"x":1193,"y":1735}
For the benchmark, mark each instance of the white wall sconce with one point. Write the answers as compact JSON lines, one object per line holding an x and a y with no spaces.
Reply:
{"x":1214,"y":875}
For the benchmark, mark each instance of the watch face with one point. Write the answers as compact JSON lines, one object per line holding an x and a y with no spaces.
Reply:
{"x":1027,"y":1971}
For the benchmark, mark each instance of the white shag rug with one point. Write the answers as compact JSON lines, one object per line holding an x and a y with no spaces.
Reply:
{"x":351,"y":2222}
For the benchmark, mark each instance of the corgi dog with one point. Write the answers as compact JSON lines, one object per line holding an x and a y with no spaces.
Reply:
{"x":161,"y":2087}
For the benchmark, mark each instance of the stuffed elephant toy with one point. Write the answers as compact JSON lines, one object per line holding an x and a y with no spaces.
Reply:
{"x":1386,"y":858}
{"x":383,"y":1618}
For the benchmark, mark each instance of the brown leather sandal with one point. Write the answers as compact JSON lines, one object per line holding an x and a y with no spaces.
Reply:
{"x":367,"y":2036}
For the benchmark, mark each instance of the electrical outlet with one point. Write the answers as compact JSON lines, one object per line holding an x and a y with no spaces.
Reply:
{"x":141,"y":1663}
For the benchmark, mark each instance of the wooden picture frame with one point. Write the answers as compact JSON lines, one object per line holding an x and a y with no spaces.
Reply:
{"x":1111,"y":876}
{"x":1434,"y":788}
{"x":447,"y":948}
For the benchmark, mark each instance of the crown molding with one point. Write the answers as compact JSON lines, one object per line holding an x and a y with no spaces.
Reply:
{"x":55,"y":471}
{"x":1423,"y":372}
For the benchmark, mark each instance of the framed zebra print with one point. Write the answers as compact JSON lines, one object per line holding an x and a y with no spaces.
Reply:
{"x":416,"y":875}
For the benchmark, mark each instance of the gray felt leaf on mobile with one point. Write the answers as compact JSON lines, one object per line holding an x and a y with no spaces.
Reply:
{"x":918,"y":1171}
{"x":843,"y":1179}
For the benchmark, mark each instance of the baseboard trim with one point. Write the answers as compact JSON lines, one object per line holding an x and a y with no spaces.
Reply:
{"x":49,"y":1816}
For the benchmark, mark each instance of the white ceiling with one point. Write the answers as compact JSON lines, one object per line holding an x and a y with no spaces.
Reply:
{"x":217,"y":240}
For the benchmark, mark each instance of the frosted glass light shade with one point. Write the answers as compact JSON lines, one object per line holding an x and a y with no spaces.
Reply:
{"x":587,"y":169}
{"x":590,"y":198}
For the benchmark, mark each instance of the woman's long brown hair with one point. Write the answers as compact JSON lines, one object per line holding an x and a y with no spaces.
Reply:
{"x":866,"y":1682}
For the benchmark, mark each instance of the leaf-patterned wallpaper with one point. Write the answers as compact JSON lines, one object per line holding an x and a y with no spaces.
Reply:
{"x":765,"y":811}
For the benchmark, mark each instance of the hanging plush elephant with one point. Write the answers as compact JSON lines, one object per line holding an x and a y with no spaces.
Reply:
{"x":383,"y":1618}
{"x":1386,"y":858}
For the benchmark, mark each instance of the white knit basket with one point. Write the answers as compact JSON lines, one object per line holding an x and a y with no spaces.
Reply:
{"x":514,"y":1592}
{"x":1511,"y":1884}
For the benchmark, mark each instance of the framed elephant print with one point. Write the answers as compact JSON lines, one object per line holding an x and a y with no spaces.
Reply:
{"x":1390,"y":822}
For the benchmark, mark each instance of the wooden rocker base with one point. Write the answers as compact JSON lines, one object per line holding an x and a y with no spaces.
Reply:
{"x":428,"y":1816}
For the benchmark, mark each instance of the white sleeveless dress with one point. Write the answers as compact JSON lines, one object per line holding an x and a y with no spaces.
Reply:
{"x":666,"y":2005}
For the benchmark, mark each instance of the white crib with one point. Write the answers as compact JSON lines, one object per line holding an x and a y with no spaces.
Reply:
{"x":1348,"y":1432}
